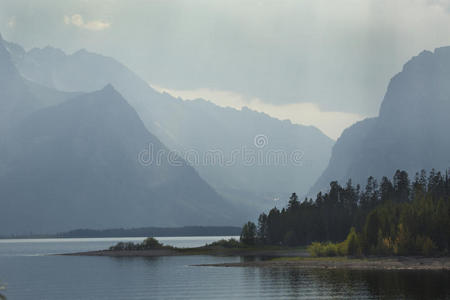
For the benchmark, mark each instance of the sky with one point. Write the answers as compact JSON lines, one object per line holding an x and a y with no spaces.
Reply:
{"x":315,"y":62}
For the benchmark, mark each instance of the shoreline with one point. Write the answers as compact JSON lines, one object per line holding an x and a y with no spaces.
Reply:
{"x":286,"y":258}
{"x":371,"y":263}
{"x":245,"y":252}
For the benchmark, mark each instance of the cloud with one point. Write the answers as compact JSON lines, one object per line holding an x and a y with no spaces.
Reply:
{"x":78,"y":21}
{"x":332,"y":123}
{"x":12,"y":22}
{"x":440,"y":3}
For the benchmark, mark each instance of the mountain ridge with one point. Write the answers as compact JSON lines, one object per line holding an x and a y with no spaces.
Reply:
{"x":198,"y":125}
{"x":75,"y":162}
{"x":409,"y":132}
{"x":85,"y":172}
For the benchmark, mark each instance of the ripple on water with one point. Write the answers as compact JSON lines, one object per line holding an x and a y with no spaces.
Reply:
{"x":71,"y":277}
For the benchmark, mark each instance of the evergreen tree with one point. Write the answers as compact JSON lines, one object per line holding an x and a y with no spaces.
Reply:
{"x":248,"y":234}
{"x":293,"y":202}
{"x":401,"y":186}
{"x":262,"y":232}
{"x":392,"y":218}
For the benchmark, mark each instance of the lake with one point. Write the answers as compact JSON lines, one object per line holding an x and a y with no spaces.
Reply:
{"x":30,"y":273}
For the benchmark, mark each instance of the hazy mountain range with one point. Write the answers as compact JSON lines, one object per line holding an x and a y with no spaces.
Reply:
{"x":197,"y":129}
{"x":73,"y":163}
{"x":73,"y":129}
{"x":410,"y":133}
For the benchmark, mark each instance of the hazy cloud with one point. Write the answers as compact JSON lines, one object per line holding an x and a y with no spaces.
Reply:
{"x":12,"y":22}
{"x":78,"y":21}
{"x":330,"y":122}
{"x":339,"y":55}
{"x":445,"y":4}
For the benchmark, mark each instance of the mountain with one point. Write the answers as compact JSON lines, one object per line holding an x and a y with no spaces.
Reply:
{"x":410,"y":132}
{"x":75,"y":160}
{"x":18,"y":96}
{"x":197,"y":129}
{"x":16,"y":101}
{"x":76,"y":165}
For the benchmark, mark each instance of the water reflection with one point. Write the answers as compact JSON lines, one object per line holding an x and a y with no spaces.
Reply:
{"x":31,"y":276}
{"x":356,"y":284}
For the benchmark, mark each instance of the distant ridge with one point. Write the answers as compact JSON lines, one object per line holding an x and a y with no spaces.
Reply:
{"x":79,"y":162}
{"x":140,"y":232}
{"x":194,"y":126}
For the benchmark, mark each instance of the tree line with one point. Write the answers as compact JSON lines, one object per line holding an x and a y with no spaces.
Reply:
{"x":391,"y":217}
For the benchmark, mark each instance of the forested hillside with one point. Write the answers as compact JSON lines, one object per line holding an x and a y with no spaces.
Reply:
{"x":391,"y":217}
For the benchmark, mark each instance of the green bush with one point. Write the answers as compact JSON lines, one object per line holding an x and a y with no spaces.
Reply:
{"x":315,"y":249}
{"x":351,"y":246}
{"x":231,"y":243}
{"x":425,"y":246}
{"x":151,"y":243}
{"x":352,"y":243}
{"x":148,"y":244}
{"x":324,"y":249}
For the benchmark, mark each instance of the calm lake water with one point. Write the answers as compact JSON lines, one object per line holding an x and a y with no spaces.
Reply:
{"x":30,"y":273}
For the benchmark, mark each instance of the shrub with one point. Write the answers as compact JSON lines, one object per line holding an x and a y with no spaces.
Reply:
{"x":231,"y":243}
{"x":315,"y":249}
{"x":402,"y":245}
{"x":425,"y":246}
{"x":147,"y":244}
{"x":353,"y":243}
{"x":323,"y":249}
{"x":385,"y":246}
{"x":151,"y":243}
{"x":351,"y":246}
{"x":331,"y":249}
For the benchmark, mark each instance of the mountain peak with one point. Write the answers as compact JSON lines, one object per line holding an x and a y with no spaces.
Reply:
{"x":109,"y":92}
{"x":109,"y":88}
{"x":442,"y":51}
{"x":81,"y":51}
{"x":7,"y":68}
{"x":54,"y":51}
{"x":409,"y":133}
{"x":3,"y":50}
{"x":421,"y":86}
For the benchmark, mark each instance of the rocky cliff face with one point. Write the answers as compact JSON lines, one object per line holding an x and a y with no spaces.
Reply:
{"x":411,"y":131}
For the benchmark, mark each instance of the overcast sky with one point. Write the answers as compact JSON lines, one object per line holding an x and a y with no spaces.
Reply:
{"x":325,"y":63}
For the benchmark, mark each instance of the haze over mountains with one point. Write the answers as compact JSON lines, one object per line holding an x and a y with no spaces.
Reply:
{"x":410,"y":133}
{"x":74,"y":126}
{"x":198,"y":129}
{"x":19,"y":96}
{"x":75,"y":164}
{"x":16,"y":100}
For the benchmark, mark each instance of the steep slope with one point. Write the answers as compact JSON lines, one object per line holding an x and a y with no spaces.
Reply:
{"x":410,"y":132}
{"x":20,"y":97}
{"x":198,"y":127}
{"x":15,"y":99}
{"x":76,"y":165}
